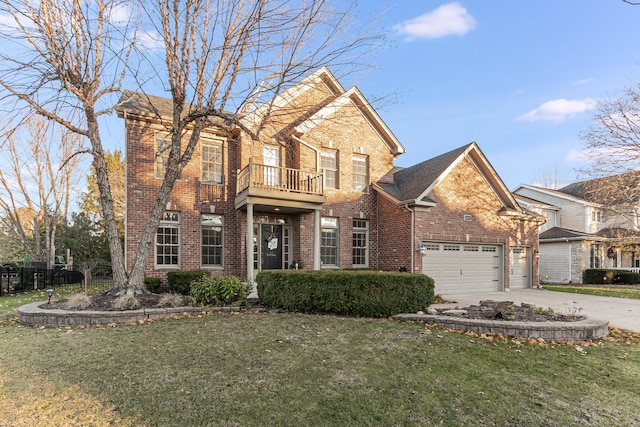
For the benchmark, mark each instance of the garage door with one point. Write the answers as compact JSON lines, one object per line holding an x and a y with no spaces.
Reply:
{"x":519,"y":268}
{"x":463,"y":268}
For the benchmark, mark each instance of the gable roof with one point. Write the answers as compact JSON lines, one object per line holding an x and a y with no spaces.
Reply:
{"x":355,"y":97}
{"x":599,"y":190}
{"x":322,"y":75}
{"x":153,"y":107}
{"x":413,"y":185}
{"x":550,"y":192}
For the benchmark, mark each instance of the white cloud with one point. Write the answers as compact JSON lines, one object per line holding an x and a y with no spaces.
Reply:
{"x":449,"y":19}
{"x":584,"y":81}
{"x":150,"y":40}
{"x":559,"y":110}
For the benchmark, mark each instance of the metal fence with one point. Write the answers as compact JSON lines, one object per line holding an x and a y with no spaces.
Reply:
{"x":15,"y":279}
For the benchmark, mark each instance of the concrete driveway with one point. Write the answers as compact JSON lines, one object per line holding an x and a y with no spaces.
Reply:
{"x":620,"y":312}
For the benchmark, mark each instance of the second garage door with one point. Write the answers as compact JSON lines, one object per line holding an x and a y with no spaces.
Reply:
{"x":463,"y":267}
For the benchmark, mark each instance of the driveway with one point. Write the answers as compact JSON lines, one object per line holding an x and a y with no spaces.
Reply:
{"x":621,"y":312}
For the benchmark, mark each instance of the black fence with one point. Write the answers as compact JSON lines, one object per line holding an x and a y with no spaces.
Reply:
{"x":15,"y":279}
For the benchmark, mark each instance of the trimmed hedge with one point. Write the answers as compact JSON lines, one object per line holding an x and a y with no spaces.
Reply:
{"x":180,"y":281}
{"x":603,"y":276}
{"x":355,"y":293}
{"x":152,"y":284}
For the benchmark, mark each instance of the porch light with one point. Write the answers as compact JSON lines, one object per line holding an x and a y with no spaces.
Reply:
{"x":49,"y":294}
{"x":421,"y":247}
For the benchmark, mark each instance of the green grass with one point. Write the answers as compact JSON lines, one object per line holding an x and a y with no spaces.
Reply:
{"x":602,"y":291}
{"x":295,"y":369}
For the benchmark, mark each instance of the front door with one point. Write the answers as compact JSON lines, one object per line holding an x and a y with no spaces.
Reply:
{"x":271,"y":237}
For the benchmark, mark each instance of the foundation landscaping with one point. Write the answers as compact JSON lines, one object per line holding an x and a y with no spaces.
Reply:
{"x":275,"y":366}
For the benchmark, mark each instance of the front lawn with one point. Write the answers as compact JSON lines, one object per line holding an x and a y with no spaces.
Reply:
{"x":294,"y":369}
{"x":600,"y":290}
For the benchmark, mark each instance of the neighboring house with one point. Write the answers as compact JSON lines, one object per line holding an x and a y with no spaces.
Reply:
{"x":580,"y":233}
{"x":319,"y":190}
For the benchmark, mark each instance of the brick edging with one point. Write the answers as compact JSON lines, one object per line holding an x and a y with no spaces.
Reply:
{"x":588,"y":329}
{"x":32,"y":315}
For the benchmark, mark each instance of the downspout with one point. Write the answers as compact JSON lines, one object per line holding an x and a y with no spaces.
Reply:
{"x":413,"y":236}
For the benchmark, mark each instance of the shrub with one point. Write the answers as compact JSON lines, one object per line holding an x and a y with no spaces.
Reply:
{"x":358,"y":293}
{"x":180,"y":281}
{"x":126,"y":302}
{"x":599,"y":276}
{"x":152,"y":284}
{"x":78,"y":302}
{"x":173,"y":300}
{"x":627,"y":278}
{"x":221,"y":290}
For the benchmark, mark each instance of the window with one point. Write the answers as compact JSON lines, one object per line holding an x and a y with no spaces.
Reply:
{"x":212,"y":240}
{"x":163,"y":147}
{"x":329,"y":241}
{"x":595,"y":256}
{"x":360,"y":243}
{"x":360,"y":173}
{"x":596,"y":215}
{"x":329,"y":165}
{"x":167,"y":240}
{"x":212,"y":171}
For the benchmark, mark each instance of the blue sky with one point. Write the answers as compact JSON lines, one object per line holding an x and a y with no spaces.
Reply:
{"x":521,"y":78}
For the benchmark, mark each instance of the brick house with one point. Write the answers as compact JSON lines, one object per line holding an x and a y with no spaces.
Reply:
{"x":319,"y":190}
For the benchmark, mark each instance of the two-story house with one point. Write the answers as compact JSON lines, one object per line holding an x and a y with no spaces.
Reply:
{"x":581,"y":231}
{"x":319,"y":190}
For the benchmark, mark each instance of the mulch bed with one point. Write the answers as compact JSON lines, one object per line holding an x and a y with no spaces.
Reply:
{"x":105,"y":302}
{"x":507,"y":310}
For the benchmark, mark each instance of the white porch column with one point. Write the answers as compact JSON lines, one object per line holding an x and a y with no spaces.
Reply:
{"x":249,"y":243}
{"x":316,"y":239}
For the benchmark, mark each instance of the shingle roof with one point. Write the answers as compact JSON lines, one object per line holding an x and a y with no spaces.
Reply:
{"x":142,"y":104}
{"x":555,"y":233}
{"x":411,"y":182}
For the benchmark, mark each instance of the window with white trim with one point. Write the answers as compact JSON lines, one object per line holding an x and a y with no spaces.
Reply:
{"x":329,"y":241}
{"x":595,"y":256}
{"x":211,"y":162}
{"x":360,"y":243}
{"x":168,"y":240}
{"x":329,"y":166}
{"x":360,"y":173}
{"x":163,"y":147}
{"x":212,"y":240}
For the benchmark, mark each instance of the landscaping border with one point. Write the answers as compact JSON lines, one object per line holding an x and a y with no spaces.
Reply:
{"x":32,"y":315}
{"x":588,"y":329}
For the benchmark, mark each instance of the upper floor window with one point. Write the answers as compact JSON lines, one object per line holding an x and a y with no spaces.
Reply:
{"x":212,"y":170}
{"x":360,"y":173}
{"x":168,"y":240}
{"x":596,"y":215}
{"x":163,"y":147}
{"x":329,"y":165}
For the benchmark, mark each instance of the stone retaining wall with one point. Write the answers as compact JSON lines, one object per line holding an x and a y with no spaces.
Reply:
{"x":31,"y":314}
{"x":587,"y":329}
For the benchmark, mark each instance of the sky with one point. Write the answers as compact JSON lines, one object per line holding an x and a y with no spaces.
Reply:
{"x":520,"y":78}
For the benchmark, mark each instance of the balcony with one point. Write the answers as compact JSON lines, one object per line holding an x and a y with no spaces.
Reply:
{"x":279,"y":188}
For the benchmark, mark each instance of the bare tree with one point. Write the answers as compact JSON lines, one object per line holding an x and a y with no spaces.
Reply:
{"x":65,"y":60}
{"x":612,"y":147}
{"x":37,"y":179}
{"x":222,"y":59}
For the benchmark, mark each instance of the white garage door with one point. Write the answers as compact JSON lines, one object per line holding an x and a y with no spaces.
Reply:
{"x":519,"y":268}
{"x":463,"y":267}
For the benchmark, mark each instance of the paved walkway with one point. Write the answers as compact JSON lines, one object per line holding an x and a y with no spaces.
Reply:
{"x":621,"y":312}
